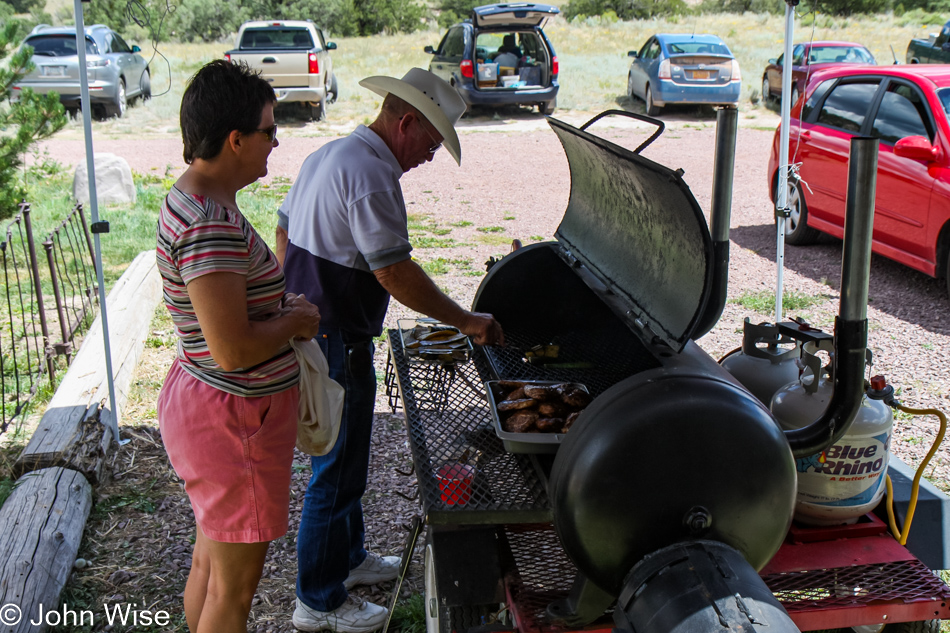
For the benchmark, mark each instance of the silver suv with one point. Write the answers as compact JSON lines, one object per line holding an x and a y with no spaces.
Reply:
{"x":117,"y":73}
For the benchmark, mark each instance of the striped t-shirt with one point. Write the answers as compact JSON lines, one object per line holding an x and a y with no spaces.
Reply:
{"x":197,"y":236}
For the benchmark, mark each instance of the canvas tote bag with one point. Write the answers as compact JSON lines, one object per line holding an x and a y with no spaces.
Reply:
{"x":321,"y":400}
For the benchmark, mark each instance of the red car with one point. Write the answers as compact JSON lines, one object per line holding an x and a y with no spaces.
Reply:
{"x":906,"y":108}
{"x":807,"y":59}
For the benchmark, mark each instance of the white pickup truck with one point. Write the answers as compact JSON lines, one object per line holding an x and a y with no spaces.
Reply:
{"x":294,"y":57}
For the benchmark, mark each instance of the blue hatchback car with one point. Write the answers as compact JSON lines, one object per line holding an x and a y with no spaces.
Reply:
{"x":500,"y":56}
{"x":670,"y":68}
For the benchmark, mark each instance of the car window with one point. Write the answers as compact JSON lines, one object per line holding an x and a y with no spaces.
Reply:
{"x":454,"y":45}
{"x":320,"y":36}
{"x":276,"y":37}
{"x":903,"y":113}
{"x":943,"y":37}
{"x":798,"y":55}
{"x":119,"y":45}
{"x":815,"y":98}
{"x":653,"y":51}
{"x":58,"y":45}
{"x":645,"y":51}
{"x":846,"y":54}
{"x":691,"y":47}
{"x":944,"y":95}
{"x":847,"y":105}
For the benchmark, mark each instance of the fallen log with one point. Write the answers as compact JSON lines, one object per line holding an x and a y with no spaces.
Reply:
{"x":42,"y":524}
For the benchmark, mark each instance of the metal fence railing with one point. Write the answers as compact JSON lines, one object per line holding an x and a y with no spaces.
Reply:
{"x":27,"y":351}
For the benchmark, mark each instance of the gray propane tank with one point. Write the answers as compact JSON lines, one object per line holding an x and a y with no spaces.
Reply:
{"x":767,"y":361}
{"x":846,"y":480}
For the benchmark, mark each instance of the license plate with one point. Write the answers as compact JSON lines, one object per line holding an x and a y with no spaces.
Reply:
{"x":701,"y":74}
{"x":53,"y":71}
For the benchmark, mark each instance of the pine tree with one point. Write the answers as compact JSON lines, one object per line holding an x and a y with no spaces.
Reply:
{"x":29,"y":119}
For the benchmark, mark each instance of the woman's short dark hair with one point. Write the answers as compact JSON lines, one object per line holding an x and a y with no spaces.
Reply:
{"x":221,"y":97}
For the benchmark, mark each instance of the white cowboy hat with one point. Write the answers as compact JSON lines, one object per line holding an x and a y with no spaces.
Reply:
{"x":438,"y":102}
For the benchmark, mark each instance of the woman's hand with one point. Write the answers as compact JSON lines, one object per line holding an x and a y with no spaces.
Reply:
{"x":305,"y":315}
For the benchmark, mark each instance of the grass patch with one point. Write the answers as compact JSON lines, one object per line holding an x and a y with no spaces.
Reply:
{"x":424,"y":241}
{"x":461,"y":223}
{"x":763,"y":301}
{"x":494,"y":240}
{"x":409,"y":615}
{"x":491,"y":229}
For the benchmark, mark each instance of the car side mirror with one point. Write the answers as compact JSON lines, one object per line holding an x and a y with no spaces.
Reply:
{"x":915,"y":148}
{"x":773,"y":61}
{"x":429,"y":49}
{"x":631,"y":53}
{"x":331,"y":46}
{"x":135,"y":49}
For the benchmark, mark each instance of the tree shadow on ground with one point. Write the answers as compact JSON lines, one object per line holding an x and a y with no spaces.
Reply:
{"x":913,"y":296}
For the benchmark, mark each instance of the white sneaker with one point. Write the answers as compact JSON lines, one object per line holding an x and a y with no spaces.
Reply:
{"x":353,"y":616}
{"x":373,"y":570}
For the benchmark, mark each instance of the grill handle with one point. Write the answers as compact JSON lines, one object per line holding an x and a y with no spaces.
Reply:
{"x":851,"y":325}
{"x":660,"y":125}
{"x":727,"y":123}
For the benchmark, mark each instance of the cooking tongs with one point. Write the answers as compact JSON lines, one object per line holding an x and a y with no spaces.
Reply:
{"x":660,"y":125}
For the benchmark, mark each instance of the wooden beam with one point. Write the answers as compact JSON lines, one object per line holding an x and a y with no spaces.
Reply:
{"x":42,"y":524}
{"x":71,"y":433}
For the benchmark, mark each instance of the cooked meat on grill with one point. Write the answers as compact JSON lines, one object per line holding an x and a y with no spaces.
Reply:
{"x":507,"y":386}
{"x":542,"y":392}
{"x":551,"y":410}
{"x":521,"y":422}
{"x":514,"y":405}
{"x":569,"y":422}
{"x":550,"y":425}
{"x":517,"y":394}
{"x":574,"y":396}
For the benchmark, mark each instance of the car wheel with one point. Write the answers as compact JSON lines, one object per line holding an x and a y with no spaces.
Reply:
{"x":794,"y":95}
{"x":333,"y":91}
{"x":318,"y":112}
{"x":766,"y":91}
{"x":797,"y":231}
{"x":652,"y":108}
{"x":548,"y":107}
{"x":119,"y":104}
{"x":145,"y":87}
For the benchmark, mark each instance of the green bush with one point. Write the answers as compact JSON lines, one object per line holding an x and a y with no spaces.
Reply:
{"x":624,"y":9}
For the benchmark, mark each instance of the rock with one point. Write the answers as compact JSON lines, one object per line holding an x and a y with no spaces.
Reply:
{"x":113,"y":181}
{"x":80,"y":563}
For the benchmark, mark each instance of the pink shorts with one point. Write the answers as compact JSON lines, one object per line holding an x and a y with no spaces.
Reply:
{"x":234,"y":455}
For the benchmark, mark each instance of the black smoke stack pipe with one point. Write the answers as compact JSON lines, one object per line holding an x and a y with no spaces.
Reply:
{"x":851,"y":324}
{"x":720,"y":215}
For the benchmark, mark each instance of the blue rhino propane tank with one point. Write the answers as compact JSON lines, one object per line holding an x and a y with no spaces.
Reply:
{"x":846,"y":480}
{"x":766,"y":362}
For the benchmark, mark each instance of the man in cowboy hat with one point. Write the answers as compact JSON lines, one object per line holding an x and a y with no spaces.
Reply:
{"x":343,"y":240}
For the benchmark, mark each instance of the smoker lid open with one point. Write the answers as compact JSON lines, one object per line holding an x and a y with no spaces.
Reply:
{"x":635,"y":225}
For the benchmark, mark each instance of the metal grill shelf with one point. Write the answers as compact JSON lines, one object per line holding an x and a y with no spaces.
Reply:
{"x":449,"y":422}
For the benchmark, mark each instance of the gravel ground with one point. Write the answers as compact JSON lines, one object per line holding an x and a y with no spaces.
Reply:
{"x":514,"y":176}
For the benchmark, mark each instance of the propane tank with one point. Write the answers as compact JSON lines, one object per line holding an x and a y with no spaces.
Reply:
{"x":846,"y":480}
{"x":767,"y":361}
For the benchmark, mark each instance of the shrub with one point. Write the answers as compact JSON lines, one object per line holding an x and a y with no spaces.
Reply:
{"x":31,"y":118}
{"x":624,"y":9}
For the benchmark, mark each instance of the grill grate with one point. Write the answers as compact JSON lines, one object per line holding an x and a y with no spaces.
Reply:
{"x":907,"y":581}
{"x":449,"y":422}
{"x":614,"y":355}
{"x":543,"y":573}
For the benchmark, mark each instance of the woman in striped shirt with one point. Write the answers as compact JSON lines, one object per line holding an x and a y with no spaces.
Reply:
{"x":228,"y":407}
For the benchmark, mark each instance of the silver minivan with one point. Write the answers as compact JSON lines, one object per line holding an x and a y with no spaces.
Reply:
{"x":117,"y":73}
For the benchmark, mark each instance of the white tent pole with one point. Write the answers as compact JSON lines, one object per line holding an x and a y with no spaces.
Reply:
{"x":97,"y":227}
{"x":781,"y":194}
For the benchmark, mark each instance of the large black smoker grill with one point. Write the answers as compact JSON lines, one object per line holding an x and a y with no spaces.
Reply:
{"x":673,"y":462}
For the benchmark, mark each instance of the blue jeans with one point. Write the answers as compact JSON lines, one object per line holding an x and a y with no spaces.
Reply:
{"x":330,"y":539}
